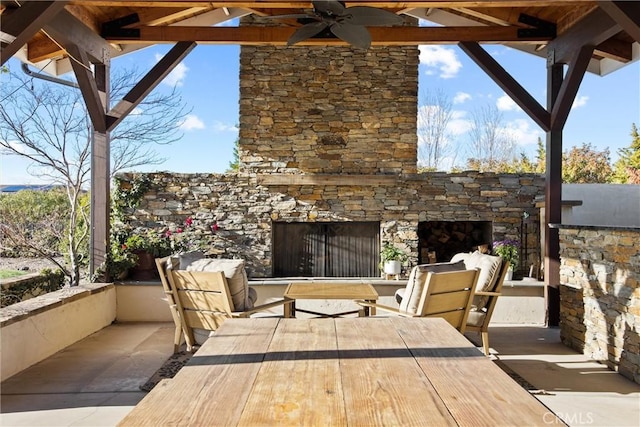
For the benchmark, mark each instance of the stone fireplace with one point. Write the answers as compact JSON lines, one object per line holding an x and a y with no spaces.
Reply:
{"x":328,"y":143}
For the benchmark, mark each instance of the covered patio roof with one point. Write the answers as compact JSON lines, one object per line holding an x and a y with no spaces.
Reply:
{"x":83,"y":35}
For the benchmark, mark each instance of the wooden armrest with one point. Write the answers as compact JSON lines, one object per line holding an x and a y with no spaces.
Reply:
{"x":487,"y":293}
{"x":384,"y":308}
{"x":261,"y":307}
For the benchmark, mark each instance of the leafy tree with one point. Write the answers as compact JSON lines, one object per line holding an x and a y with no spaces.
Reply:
{"x":586,"y":165}
{"x":33,"y":223}
{"x":433,"y":139}
{"x":491,"y":143}
{"x":541,"y":157}
{"x":627,"y":168}
{"x":234,"y":165}
{"x":48,"y":125}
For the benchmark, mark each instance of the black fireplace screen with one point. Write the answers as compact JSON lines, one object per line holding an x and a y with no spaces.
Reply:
{"x":326,"y":249}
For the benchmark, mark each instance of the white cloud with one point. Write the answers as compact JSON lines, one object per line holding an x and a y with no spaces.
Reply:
{"x":175,"y":77}
{"x":505,"y":103}
{"x":522,"y":132}
{"x":461,"y":97}
{"x":191,"y":122}
{"x":440,"y":58}
{"x":459,"y":124}
{"x":224,"y":127}
{"x":580,"y":101}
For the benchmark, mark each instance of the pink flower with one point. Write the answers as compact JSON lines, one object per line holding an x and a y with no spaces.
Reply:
{"x":179,"y":230}
{"x":188,"y":221}
{"x":168,"y":233}
{"x":214,"y":227}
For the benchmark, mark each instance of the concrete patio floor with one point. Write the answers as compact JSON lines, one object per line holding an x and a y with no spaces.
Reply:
{"x":96,"y":382}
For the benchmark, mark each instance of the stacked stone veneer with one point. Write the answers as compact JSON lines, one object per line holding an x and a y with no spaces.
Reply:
{"x":329,"y":109}
{"x":244,"y":210}
{"x":600,"y":295}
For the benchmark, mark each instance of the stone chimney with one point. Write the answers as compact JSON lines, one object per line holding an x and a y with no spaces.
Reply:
{"x":328,"y":110}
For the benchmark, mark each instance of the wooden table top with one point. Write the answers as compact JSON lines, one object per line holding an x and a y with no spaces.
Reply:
{"x":339,"y":372}
{"x":330,"y":290}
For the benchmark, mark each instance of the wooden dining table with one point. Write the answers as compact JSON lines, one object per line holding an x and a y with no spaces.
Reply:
{"x":369,"y":371}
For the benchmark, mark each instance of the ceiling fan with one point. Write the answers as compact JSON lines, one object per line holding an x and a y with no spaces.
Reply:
{"x":347,"y":23}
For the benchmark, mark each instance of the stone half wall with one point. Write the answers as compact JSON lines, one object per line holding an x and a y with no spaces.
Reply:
{"x":243,"y":206}
{"x":600,"y":295}
{"x":330,"y":109}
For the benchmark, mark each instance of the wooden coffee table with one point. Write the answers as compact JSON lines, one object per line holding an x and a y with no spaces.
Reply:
{"x":330,"y":290}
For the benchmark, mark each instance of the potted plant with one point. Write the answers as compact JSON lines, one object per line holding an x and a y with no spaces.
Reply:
{"x":146,"y":246}
{"x":392,"y":258}
{"x":508,"y":251}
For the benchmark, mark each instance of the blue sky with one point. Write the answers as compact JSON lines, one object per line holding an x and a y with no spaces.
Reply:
{"x":602,"y":115}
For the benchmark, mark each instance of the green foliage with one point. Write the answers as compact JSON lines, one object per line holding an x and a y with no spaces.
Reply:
{"x":507,"y":250}
{"x":47,"y":281}
{"x":128,"y":195}
{"x":585,"y":164}
{"x":541,"y":157}
{"x":152,"y":241}
{"x":8,"y":274}
{"x":391,"y":252}
{"x":627,"y":168}
{"x":33,"y":222}
{"x":234,"y":165}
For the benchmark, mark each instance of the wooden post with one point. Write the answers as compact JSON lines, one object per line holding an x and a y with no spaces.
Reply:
{"x":100,"y":178}
{"x":553,"y":198}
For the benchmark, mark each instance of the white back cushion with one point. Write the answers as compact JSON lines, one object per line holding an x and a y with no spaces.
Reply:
{"x":236,"y":278}
{"x":488,"y":265}
{"x":417,"y":281}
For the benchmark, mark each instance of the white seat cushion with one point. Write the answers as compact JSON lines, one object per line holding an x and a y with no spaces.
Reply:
{"x":236,"y":278}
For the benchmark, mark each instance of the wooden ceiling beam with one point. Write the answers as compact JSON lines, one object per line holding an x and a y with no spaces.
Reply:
{"x":511,"y":87}
{"x":615,"y":49}
{"x":627,"y":14}
{"x":88,"y":87}
{"x":66,"y":29}
{"x":22,"y":24}
{"x":570,"y":85}
{"x":307,"y":4}
{"x":594,"y":29}
{"x":279,"y":35}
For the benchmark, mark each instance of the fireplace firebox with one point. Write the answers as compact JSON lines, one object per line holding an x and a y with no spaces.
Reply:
{"x":326,"y":249}
{"x":439,"y":241}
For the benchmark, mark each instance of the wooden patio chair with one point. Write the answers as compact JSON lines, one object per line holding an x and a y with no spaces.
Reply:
{"x":493,"y":271}
{"x":482,"y":309}
{"x":202,"y":300}
{"x":446,"y":294}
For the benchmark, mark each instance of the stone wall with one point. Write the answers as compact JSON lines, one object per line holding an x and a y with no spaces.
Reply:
{"x":600,"y":295}
{"x":328,"y":109}
{"x":243,"y":206}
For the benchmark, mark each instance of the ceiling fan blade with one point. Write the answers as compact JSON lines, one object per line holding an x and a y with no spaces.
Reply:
{"x":329,"y":7}
{"x":365,"y":15}
{"x":306,"y":31}
{"x":356,"y":35}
